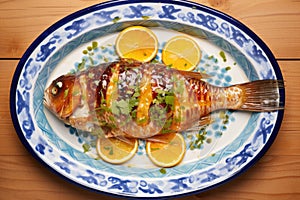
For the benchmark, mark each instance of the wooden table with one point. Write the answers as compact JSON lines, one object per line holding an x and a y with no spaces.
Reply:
{"x":275,"y":176}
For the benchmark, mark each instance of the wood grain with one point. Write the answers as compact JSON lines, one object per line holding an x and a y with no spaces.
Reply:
{"x":276,"y":176}
{"x":275,"y":21}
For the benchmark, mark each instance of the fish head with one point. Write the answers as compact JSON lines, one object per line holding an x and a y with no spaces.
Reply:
{"x":63,"y":96}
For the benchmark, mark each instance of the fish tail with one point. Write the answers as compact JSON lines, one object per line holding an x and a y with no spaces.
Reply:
{"x":257,"y":96}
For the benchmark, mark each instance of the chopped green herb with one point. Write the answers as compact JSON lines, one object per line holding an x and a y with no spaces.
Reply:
{"x":129,"y":92}
{"x":210,"y":57}
{"x":163,"y":171}
{"x":142,"y":120}
{"x":226,"y":121}
{"x":94,"y":45}
{"x":228,"y":68}
{"x":154,"y":149}
{"x":199,"y":139}
{"x":111,"y":118}
{"x":97,"y":132}
{"x":155,"y":61}
{"x":86,"y":147}
{"x":145,"y":17}
{"x":114,"y":109}
{"x":222,"y":54}
{"x":136,"y":94}
{"x":170,"y":100}
{"x":82,"y":64}
{"x":89,"y":48}
{"x":66,"y":92}
{"x":120,"y":107}
{"x":167,"y":125}
{"x":83,"y":97}
{"x":177,"y":119}
{"x":169,"y":66}
{"x":105,"y":59}
{"x":116,"y":19}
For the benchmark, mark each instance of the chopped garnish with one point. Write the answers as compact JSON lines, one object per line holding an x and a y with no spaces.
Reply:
{"x":163,"y":171}
{"x":223,"y":56}
{"x":86,"y":147}
{"x":66,"y":92}
{"x":116,"y":19}
{"x":228,"y":68}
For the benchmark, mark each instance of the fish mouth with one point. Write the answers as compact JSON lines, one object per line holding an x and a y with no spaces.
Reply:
{"x":46,"y":104}
{"x":49,"y":107}
{"x":59,"y":112}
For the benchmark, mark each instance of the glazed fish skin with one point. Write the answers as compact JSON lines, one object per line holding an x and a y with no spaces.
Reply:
{"x":132,"y":99}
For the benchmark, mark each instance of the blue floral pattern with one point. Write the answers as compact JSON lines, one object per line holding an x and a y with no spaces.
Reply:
{"x":211,"y":25}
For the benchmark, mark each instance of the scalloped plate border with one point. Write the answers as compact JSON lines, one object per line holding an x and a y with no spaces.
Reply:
{"x":106,"y":13}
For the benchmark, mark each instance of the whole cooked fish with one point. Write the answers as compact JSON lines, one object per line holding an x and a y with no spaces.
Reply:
{"x":128,"y":98}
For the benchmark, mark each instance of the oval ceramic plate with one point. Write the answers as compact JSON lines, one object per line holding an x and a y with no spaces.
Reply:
{"x":231,"y":54}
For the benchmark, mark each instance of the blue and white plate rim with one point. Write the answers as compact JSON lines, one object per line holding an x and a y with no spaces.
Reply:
{"x":36,"y":43}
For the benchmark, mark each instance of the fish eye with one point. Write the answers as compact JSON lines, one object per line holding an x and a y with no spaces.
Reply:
{"x":54,"y":90}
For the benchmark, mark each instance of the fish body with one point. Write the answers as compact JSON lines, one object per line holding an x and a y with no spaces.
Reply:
{"x":128,"y":98}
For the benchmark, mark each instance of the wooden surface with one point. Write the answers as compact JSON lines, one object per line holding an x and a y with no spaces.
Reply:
{"x":275,"y":176}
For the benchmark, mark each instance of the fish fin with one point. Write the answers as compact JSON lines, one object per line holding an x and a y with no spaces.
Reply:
{"x":162,"y":138}
{"x":125,"y":139}
{"x":195,"y":75}
{"x":129,"y":63}
{"x":262,"y":95}
{"x":206,"y":120}
{"x":203,"y":121}
{"x":120,"y":136}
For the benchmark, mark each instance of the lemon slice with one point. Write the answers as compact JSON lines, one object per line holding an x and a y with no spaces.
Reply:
{"x":167,"y":154}
{"x":137,"y":42}
{"x":115,"y":151}
{"x":181,"y":52}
